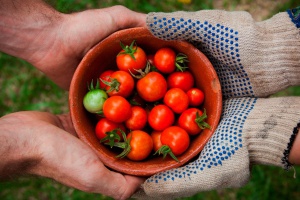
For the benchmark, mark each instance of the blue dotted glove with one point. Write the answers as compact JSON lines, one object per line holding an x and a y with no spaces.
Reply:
{"x":252,"y":131}
{"x":252,"y":60}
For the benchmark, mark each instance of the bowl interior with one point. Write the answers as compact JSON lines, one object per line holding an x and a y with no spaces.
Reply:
{"x":102,"y":57}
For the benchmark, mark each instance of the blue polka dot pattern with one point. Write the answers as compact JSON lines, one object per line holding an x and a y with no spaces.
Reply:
{"x":219,"y":43}
{"x":226,"y":141}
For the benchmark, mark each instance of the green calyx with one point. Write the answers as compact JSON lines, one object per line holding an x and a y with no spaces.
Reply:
{"x":92,"y":87}
{"x":181,"y":61}
{"x":114,"y":84}
{"x":130,"y":50}
{"x":141,"y":73}
{"x":111,"y":138}
{"x":200,"y":120}
{"x":165,"y":150}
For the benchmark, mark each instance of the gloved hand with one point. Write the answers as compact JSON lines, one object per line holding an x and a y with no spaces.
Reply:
{"x":252,"y":60}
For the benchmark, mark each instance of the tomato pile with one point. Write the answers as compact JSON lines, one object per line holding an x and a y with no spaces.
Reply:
{"x":148,"y":104}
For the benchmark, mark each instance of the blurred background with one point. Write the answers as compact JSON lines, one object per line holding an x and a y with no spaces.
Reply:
{"x":25,"y":88}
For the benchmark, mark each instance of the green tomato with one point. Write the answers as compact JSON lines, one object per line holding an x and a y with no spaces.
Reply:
{"x":94,"y":99}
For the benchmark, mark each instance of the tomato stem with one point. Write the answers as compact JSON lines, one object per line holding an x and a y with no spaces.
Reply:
{"x":130,"y":50}
{"x":165,"y":150}
{"x":200,"y":120}
{"x":181,"y":60}
{"x":114,"y":84}
{"x":111,"y":137}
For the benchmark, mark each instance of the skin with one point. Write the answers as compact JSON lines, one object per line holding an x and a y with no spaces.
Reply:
{"x":43,"y":144}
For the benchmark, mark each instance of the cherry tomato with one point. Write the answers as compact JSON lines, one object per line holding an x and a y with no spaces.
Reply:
{"x":131,"y":58}
{"x":164,"y":60}
{"x":176,"y":138}
{"x":105,"y":76}
{"x":192,"y":120}
{"x":177,"y":100}
{"x":152,"y":87}
{"x":196,"y":97}
{"x":141,"y":145}
{"x":94,"y":99}
{"x":161,"y":117}
{"x":183,"y":80}
{"x":121,"y":83}
{"x":138,"y":119}
{"x":156,"y":140}
{"x":104,"y":126}
{"x":117,"y":109}
{"x":150,"y":59}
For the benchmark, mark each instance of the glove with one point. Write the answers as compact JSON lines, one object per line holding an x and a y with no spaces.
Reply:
{"x":252,"y":131}
{"x":252,"y":60}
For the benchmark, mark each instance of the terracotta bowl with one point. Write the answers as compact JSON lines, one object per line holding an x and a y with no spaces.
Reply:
{"x":102,"y":57}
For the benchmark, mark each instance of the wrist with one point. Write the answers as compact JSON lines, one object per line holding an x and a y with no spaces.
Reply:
{"x":28,"y":33}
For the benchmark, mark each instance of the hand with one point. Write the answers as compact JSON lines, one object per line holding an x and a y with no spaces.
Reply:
{"x":252,"y":130}
{"x":55,"y":42}
{"x":251,"y":59}
{"x":41,"y":144}
{"x":76,"y":35}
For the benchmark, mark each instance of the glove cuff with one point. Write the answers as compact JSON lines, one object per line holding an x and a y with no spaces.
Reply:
{"x":269,"y":142}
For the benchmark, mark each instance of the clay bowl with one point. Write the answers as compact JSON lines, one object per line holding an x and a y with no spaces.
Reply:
{"x":102,"y":57}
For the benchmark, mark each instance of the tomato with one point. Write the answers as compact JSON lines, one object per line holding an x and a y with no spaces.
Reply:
{"x":131,"y":58}
{"x":177,"y":100}
{"x":138,"y":119}
{"x":107,"y":131}
{"x":176,"y":138}
{"x":105,"y":77}
{"x":161,"y":117}
{"x":196,"y":97}
{"x":183,"y":80}
{"x":94,"y":99}
{"x":117,"y":109}
{"x":150,"y":59}
{"x":192,"y":120}
{"x":121,"y":83}
{"x":152,"y":87}
{"x":141,"y":145}
{"x":156,"y":139}
{"x":164,"y":60}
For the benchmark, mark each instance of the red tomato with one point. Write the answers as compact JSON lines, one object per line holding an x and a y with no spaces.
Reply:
{"x":105,"y":76}
{"x":152,"y":87}
{"x":150,"y":59}
{"x":176,"y":138}
{"x":117,"y":109}
{"x":177,"y":100}
{"x":156,"y":140}
{"x":121,"y":83}
{"x":164,"y":60}
{"x":138,"y":119}
{"x":196,"y":97}
{"x":141,"y":145}
{"x":192,"y":122}
{"x":131,"y":58}
{"x":183,"y":80}
{"x":161,"y":117}
{"x":105,"y":126}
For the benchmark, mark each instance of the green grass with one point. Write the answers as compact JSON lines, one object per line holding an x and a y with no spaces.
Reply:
{"x":24,"y":88}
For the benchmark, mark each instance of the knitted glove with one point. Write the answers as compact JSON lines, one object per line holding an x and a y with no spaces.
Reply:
{"x":252,"y":131}
{"x":251,"y":58}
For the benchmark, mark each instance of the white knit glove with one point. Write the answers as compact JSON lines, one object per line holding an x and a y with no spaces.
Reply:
{"x":252,"y":60}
